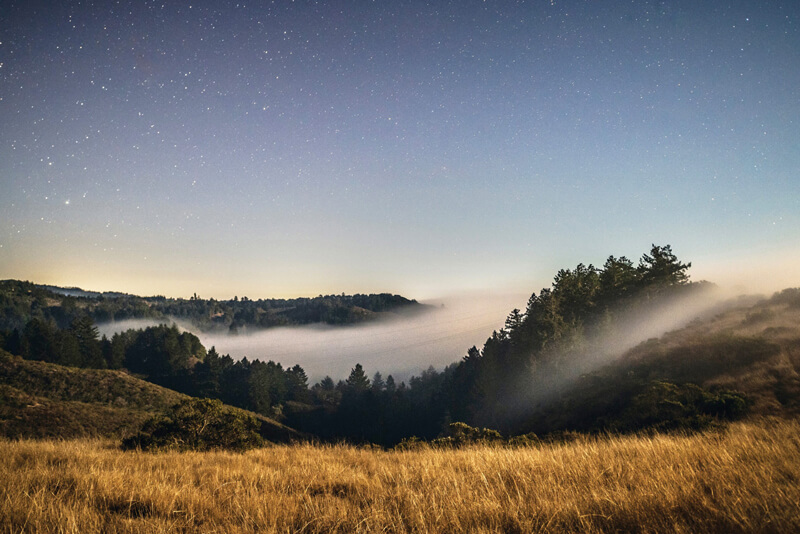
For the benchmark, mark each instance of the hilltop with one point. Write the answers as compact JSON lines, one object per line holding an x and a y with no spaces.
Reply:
{"x":750,"y":347}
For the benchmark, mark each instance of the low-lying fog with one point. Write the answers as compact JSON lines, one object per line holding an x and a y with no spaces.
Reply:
{"x":401,"y":347}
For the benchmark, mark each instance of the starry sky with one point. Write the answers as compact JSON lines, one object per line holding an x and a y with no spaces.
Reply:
{"x":296,"y":148}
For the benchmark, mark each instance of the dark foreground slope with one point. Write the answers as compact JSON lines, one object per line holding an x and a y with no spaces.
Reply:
{"x":39,"y":399}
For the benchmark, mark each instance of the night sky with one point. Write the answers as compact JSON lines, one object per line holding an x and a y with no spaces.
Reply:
{"x":295,"y":148}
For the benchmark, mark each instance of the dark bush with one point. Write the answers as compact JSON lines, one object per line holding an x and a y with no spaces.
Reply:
{"x":198,"y":424}
{"x":667,"y":406}
{"x":463,"y":434}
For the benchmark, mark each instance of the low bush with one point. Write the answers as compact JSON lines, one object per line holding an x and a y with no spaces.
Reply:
{"x":463,"y":434}
{"x":198,"y":424}
{"x":666,"y":406}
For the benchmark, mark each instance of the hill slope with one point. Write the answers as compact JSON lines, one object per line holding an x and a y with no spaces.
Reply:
{"x":39,"y":399}
{"x":752,"y":349}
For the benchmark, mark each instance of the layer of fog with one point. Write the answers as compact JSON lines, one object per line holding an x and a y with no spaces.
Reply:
{"x":405,"y":346}
{"x":401,"y":347}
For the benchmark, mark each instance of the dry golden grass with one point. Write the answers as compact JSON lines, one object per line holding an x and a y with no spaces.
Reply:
{"x":744,"y":479}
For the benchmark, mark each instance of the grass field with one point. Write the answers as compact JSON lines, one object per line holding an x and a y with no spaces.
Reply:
{"x":742,"y":479}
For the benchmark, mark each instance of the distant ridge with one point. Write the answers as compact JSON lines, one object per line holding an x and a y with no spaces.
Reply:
{"x":78,"y":292}
{"x":64,"y":304}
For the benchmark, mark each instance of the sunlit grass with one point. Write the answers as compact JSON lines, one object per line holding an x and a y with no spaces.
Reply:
{"x":740,"y":480}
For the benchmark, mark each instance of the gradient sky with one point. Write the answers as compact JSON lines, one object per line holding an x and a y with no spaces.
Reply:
{"x":297,"y":148}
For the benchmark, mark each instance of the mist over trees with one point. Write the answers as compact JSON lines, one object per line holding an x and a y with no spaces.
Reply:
{"x":513,"y":384}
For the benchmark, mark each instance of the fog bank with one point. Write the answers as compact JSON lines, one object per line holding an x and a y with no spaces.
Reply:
{"x":405,"y":346}
{"x":401,"y":347}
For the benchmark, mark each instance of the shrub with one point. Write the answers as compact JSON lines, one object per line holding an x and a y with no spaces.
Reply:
{"x":411,"y":444}
{"x":198,"y":424}
{"x":667,"y":406}
{"x":463,"y":434}
{"x":525,"y":440}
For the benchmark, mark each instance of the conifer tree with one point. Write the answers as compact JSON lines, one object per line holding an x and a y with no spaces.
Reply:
{"x":358,"y":381}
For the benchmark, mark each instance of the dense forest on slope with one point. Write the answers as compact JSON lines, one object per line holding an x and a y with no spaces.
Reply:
{"x":21,"y":302}
{"x":550,"y":369}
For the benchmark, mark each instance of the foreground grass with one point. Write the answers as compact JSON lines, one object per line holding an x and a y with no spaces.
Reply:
{"x":744,"y":479}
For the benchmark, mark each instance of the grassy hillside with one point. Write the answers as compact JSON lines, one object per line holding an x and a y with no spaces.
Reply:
{"x":39,"y":399}
{"x":752,"y":348}
{"x":744,"y":479}
{"x":748,"y":349}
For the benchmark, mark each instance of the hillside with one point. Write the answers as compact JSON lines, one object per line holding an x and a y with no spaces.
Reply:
{"x":39,"y":399}
{"x":752,"y":348}
{"x":748,"y":349}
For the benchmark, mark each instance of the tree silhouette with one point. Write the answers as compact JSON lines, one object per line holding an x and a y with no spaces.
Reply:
{"x":357,"y":381}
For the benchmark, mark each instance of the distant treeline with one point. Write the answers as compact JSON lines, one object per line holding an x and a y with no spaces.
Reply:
{"x":21,"y":302}
{"x":501,"y":386}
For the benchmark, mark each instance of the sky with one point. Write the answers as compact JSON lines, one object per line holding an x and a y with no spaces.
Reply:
{"x":280,"y":149}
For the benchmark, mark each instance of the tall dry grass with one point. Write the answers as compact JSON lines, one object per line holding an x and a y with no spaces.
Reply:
{"x":744,"y":479}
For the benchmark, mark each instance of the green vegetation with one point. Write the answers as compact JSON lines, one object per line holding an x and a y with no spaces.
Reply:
{"x":39,"y":399}
{"x":200,"y":425}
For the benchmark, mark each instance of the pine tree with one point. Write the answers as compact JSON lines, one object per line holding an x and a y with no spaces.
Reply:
{"x":377,"y":382}
{"x":358,"y":381}
{"x":85,"y":331}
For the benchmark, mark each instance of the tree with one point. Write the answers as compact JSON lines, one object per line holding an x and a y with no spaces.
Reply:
{"x":326,"y":394}
{"x":39,"y":341}
{"x":378,"y":383}
{"x":358,"y":381}
{"x":198,"y":424}
{"x":164,"y":354}
{"x":513,"y":321}
{"x":85,"y":331}
{"x":297,"y":383}
{"x":390,"y":385}
{"x":66,"y":350}
{"x":266,"y":386}
{"x":575,"y":292}
{"x":618,"y":279}
{"x":208,"y":373}
{"x":119,"y":346}
{"x":661,"y":268}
